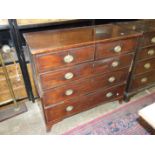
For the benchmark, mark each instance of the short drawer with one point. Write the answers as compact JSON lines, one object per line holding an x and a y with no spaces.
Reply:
{"x":46,"y":62}
{"x":144,"y":66}
{"x":115,"y":48}
{"x":146,"y":53}
{"x":71,"y":107}
{"x":142,"y":80}
{"x":114,"y":63}
{"x":70,"y":74}
{"x":148,"y":39}
{"x":81,"y":87}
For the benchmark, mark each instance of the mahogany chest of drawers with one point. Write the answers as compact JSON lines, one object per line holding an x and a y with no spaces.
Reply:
{"x":143,"y":68}
{"x":79,"y":68}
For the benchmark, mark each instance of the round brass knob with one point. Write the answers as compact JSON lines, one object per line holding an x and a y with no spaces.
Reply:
{"x":69,"y":75}
{"x":112,"y":79}
{"x":118,"y":49}
{"x":115,"y":64}
{"x":153,"y":40}
{"x":143,"y":80}
{"x":69,"y":108}
{"x":69,"y":92}
{"x":147,"y":65}
{"x":134,"y":27}
{"x":110,"y":94}
{"x":151,"y":52}
{"x":68,"y":58}
{"x":6,"y":48}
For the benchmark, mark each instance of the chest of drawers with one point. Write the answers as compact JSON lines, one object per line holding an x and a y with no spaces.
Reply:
{"x":80,"y":68}
{"x":142,"y":75}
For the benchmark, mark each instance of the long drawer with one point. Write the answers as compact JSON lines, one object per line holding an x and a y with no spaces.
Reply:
{"x":81,"y":87}
{"x":69,"y":74}
{"x":115,"y":48}
{"x":143,"y":80}
{"x":144,"y":66}
{"x":50,"y":61}
{"x":71,"y":107}
{"x":146,"y":53}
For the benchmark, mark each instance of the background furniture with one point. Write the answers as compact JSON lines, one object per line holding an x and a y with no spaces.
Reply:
{"x":143,"y":68}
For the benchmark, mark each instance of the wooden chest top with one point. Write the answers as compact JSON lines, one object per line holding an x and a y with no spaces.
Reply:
{"x":55,"y":40}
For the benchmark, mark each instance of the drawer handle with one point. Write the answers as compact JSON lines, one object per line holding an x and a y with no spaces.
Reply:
{"x":110,"y":94}
{"x":115,"y":64}
{"x":111,"y":79}
{"x":151,"y":52}
{"x":147,"y":65}
{"x":118,"y":49}
{"x":69,"y":76}
{"x":143,"y":80}
{"x":153,"y":40}
{"x":69,"y":92}
{"x":69,"y":108}
{"x":134,"y":27}
{"x":68,"y":58}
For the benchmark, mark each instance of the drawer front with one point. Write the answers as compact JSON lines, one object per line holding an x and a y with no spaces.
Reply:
{"x":112,"y":64}
{"x":75,"y":89}
{"x":146,"y":53}
{"x":57,"y":78}
{"x":109,"y":49}
{"x":149,"y":39}
{"x":143,"y":80}
{"x":64,"y":76}
{"x":77,"y":105}
{"x":52,"y":61}
{"x":145,"y":66}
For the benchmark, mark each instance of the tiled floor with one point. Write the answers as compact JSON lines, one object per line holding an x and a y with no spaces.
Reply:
{"x":32,"y":121}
